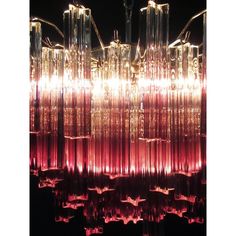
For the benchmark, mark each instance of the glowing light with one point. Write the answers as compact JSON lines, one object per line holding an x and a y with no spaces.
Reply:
{"x":108,"y":117}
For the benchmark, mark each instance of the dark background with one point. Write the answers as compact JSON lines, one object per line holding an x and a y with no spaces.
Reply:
{"x":42,"y":221}
{"x":108,"y":15}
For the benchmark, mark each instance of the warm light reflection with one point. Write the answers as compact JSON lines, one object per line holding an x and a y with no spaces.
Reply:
{"x":116,"y":90}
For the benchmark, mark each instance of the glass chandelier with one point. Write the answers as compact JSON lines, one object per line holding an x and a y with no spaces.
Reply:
{"x":119,"y":131}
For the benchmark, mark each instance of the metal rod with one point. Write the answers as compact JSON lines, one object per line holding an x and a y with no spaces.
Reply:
{"x":97,"y":32}
{"x":189,"y":22}
{"x":34,"y":18}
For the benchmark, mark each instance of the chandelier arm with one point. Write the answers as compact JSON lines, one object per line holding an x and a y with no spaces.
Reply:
{"x":34,"y":18}
{"x":97,"y":32}
{"x":46,"y":43}
{"x":50,"y":44}
{"x":189,"y":22}
{"x":174,"y":43}
{"x":49,"y":41}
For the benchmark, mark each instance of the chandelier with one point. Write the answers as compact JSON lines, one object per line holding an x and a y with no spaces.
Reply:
{"x":119,"y":131}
